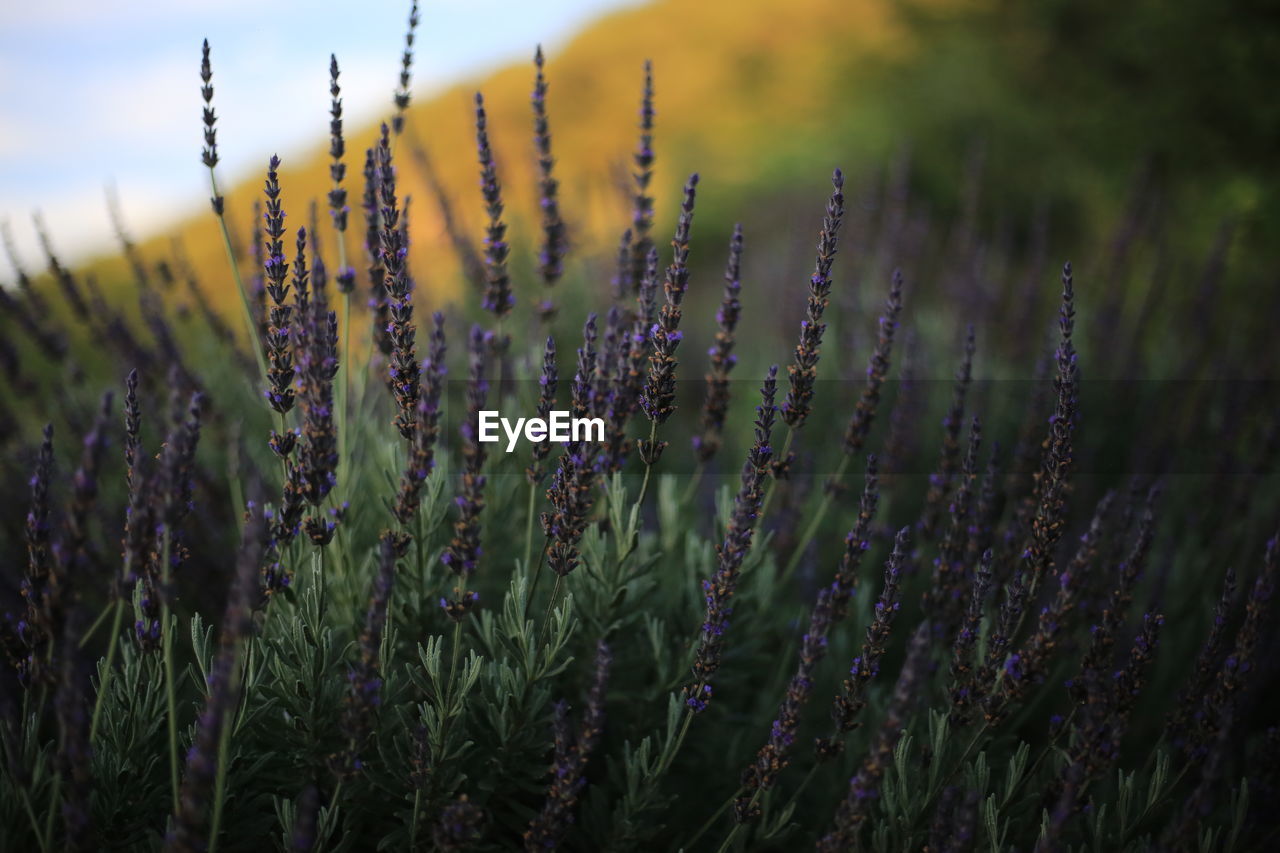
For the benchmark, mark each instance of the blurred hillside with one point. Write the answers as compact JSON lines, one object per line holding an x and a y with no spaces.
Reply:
{"x":1106,"y":119}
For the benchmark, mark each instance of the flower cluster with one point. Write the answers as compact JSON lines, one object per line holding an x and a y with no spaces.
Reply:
{"x":279,"y":345}
{"x":463,"y":554}
{"x":572,"y":484}
{"x":426,"y":431}
{"x":338,"y":210}
{"x":732,"y":552}
{"x":572,"y":752}
{"x":803,"y":373}
{"x":498,"y":297}
{"x":716,"y":404}
{"x":658,"y":399}
{"x":555,"y":242}
{"x":866,"y":666}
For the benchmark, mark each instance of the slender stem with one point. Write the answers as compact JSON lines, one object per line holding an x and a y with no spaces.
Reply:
{"x":773,"y":481}
{"x":113,"y":643}
{"x":250,"y":327}
{"x":551,"y":604}
{"x":537,"y":573}
{"x":648,"y":466}
{"x":170,"y":688}
{"x":457,"y":646}
{"x":688,"y":845}
{"x":284,"y":463}
{"x":814,"y":523}
{"x":528,"y":527}
{"x":413,"y":826}
{"x":694,"y":483}
{"x":333,"y":804}
{"x":46,"y":843}
{"x":804,"y":783}
{"x":93,"y":629}
{"x":733,"y":833}
{"x":35,"y":822}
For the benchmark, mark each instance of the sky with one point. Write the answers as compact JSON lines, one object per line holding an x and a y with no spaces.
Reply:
{"x":96,"y":94}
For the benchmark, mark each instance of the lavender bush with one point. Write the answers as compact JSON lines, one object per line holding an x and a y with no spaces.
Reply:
{"x":284,"y":596}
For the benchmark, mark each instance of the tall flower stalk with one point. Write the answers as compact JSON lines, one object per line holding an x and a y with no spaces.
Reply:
{"x":554,"y":238}
{"x":339,"y":213}
{"x":498,"y":297}
{"x":716,"y":403}
{"x":732,"y":552}
{"x":462,"y":556}
{"x":802,"y":374}
{"x":864,"y":414}
{"x":642,"y":202}
{"x":209,"y":156}
{"x":659,"y":394}
{"x":394,"y":256}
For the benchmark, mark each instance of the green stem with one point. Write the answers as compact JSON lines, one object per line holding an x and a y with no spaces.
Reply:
{"x":804,"y":783}
{"x":670,"y":755}
{"x":46,"y":843}
{"x":113,"y":643}
{"x":551,"y":604}
{"x":93,"y":629}
{"x":814,"y":523}
{"x":733,"y":833}
{"x":249,"y":325}
{"x":413,"y":827}
{"x":694,"y":483}
{"x":537,"y":574}
{"x":35,"y":822}
{"x":688,"y":845}
{"x":648,"y":466}
{"x":773,"y":481}
{"x":528,"y":527}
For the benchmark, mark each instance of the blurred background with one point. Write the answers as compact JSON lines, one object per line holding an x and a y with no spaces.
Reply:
{"x":93,"y":95}
{"x":1093,"y":123}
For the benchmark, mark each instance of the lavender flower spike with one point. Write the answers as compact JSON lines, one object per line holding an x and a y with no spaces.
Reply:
{"x":554,"y":240}
{"x":338,"y":208}
{"x":427,"y":430}
{"x":804,"y":371}
{"x":642,"y":205}
{"x":398,"y":288}
{"x":571,"y":756}
{"x":223,"y":695}
{"x":209,"y":155}
{"x":497,"y":295}
{"x":281,"y":371}
{"x":572,"y":483}
{"x":658,"y":398}
{"x":547,"y":383}
{"x":364,"y":679}
{"x":733,"y":550}
{"x":463,"y":554}
{"x":402,"y":93}
{"x":866,"y":666}
{"x":829,"y":610}
{"x":722,"y":358}
{"x":855,"y":435}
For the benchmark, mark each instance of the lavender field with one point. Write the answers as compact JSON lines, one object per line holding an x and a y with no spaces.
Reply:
{"x":902,"y":530}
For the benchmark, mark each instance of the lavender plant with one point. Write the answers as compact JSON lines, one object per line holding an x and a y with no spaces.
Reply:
{"x":977,"y":650}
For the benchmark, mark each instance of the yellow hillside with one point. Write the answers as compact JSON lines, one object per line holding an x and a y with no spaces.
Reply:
{"x":741,"y":85}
